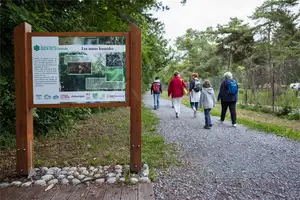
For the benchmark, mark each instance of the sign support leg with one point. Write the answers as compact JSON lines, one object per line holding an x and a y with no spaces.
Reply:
{"x":135,"y":99}
{"x":24,"y":115}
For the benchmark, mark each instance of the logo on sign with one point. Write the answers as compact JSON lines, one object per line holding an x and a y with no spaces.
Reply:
{"x":47,"y":96}
{"x":77,"y":96}
{"x":55,"y":97}
{"x":64,"y":97}
{"x":95,"y":96}
{"x":39,"y":96}
{"x":88,"y":96}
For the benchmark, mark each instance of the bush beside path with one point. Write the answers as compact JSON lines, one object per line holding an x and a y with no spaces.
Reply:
{"x":225,"y":162}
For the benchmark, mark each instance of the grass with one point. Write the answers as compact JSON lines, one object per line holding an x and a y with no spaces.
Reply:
{"x":101,"y":140}
{"x":259,"y":121}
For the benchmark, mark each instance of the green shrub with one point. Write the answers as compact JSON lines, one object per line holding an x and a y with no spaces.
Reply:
{"x":241,"y":91}
{"x":294,"y":115}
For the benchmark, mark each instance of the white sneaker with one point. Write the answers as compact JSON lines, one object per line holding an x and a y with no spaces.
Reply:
{"x":234,"y":125}
{"x":220,"y":121}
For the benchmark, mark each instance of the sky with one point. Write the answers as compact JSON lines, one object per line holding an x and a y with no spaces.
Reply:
{"x":200,"y":14}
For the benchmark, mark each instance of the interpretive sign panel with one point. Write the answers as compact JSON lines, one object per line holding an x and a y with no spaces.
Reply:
{"x":78,"y":69}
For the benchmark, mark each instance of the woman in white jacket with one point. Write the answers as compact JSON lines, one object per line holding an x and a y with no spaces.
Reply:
{"x":195,"y":92}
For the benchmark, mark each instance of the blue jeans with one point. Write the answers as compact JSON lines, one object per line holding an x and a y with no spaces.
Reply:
{"x":195,"y":104}
{"x":207,"y":117}
{"x":156,"y":100}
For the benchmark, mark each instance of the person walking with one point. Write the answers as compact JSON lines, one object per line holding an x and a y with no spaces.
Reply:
{"x":171,"y":98}
{"x":176,"y":91}
{"x":156,"y":90}
{"x":228,"y":95}
{"x":195,"y":92}
{"x":208,"y":101}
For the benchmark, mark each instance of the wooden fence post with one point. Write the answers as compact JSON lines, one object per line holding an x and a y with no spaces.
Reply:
{"x":135,"y":98}
{"x":24,"y":115}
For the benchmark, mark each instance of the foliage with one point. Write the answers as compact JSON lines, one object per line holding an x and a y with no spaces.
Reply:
{"x":80,"y":15}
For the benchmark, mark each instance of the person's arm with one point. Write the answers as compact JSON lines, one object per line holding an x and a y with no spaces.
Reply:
{"x":151,"y":89}
{"x":170,"y":88}
{"x":222,"y":87}
{"x":183,"y":83}
{"x":192,"y":85}
{"x":201,"y":100}
{"x":160,"y":88}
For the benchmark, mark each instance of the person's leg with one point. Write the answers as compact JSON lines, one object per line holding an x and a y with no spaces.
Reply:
{"x":206,"y":115}
{"x":232,"y":108}
{"x":175,"y":105}
{"x":192,"y":105}
{"x":172,"y":103}
{"x":224,"y":110}
{"x":158,"y":97}
{"x":196,"y":105}
{"x":179,"y":103}
{"x":155,"y":100}
{"x":208,"y":118}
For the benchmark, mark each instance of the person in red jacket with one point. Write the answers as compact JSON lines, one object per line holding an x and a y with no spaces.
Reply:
{"x":176,"y":91}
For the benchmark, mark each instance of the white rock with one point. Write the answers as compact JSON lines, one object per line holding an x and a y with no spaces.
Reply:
{"x":40,"y":183}
{"x":3,"y":185}
{"x":73,"y":169}
{"x":105,"y":168}
{"x":99,"y":167}
{"x":87,"y":179}
{"x":63,"y":172}
{"x":61,"y":177}
{"x":67,"y":169}
{"x":145,"y":170}
{"x":134,"y":180}
{"x":53,"y":181}
{"x":44,"y":169}
{"x":64,"y":181}
{"x":50,"y":172}
{"x":97,"y":175}
{"x":111,"y":180}
{"x":118,"y":167}
{"x":109,"y":175}
{"x":49,"y":187}
{"x":118,"y":175}
{"x":91,"y":174}
{"x":47,"y":177}
{"x":100,"y":180}
{"x":101,"y":171}
{"x":92,"y":168}
{"x":85,"y":172}
{"x":145,"y":180}
{"x":70,"y":173}
{"x":54,"y":169}
{"x":82,"y":169}
{"x":76,"y":174}
{"x":75,"y":181}
{"x":122,"y":179}
{"x":95,"y":170}
{"x":27,"y":184}
{"x":16,"y":183}
{"x":118,"y":171}
{"x":37,"y":169}
{"x":70,"y":177}
{"x":80,"y":177}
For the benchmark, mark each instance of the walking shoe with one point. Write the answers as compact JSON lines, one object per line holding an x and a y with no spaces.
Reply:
{"x":220,"y":121}
{"x":206,"y":127}
{"x":234,"y":125}
{"x":172,"y":106}
{"x":195,"y":113}
{"x":210,"y":125}
{"x":176,"y":115}
{"x":154,"y":108}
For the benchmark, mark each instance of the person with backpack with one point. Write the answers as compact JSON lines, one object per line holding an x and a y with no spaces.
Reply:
{"x":228,"y":95}
{"x":195,"y":92}
{"x":156,"y":90}
{"x":208,"y":101}
{"x":176,"y":89}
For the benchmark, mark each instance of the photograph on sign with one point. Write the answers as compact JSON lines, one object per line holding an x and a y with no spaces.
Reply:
{"x":79,"y":69}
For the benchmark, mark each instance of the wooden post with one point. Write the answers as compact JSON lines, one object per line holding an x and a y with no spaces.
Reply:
{"x":24,"y":115}
{"x":135,"y":99}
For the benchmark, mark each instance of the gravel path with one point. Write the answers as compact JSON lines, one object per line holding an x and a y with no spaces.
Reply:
{"x":225,"y":162}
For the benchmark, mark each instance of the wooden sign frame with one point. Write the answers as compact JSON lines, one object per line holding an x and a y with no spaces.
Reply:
{"x":24,"y":92}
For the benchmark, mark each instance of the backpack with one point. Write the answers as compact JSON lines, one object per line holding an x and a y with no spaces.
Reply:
{"x":232,"y":87}
{"x":156,"y":87}
{"x":197,"y":86}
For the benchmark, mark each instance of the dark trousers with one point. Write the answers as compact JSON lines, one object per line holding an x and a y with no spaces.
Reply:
{"x":195,"y":104}
{"x":207,"y":117}
{"x":232,"y":106}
